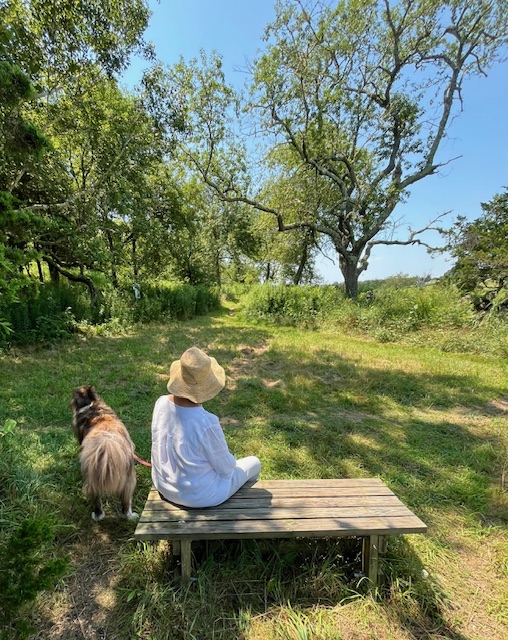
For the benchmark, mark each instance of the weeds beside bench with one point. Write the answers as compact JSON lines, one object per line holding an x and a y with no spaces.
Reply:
{"x":363,"y":507}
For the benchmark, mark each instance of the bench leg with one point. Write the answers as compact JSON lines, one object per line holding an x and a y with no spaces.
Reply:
{"x":182,"y":549}
{"x":186,"y":560}
{"x":370,"y":557}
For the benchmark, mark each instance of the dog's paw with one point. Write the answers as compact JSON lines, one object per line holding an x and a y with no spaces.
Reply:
{"x":132,"y":515}
{"x":97,"y":517}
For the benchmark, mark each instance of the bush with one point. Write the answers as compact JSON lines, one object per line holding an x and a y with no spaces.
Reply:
{"x":164,"y":302}
{"x":412,"y":308}
{"x":434,"y":314}
{"x":46,"y":313}
{"x":394,"y":310}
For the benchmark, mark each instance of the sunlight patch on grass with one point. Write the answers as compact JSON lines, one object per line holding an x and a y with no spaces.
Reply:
{"x":364,"y":441}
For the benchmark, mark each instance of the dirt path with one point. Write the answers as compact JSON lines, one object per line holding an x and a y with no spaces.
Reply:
{"x":82,"y":604}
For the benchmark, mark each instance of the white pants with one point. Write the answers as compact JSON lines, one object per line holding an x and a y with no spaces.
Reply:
{"x":246,"y":469}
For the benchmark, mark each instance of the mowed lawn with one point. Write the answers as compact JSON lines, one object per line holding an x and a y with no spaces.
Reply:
{"x":432,"y":425}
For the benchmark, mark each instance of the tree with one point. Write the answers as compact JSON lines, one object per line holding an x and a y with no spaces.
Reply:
{"x":77,"y":154}
{"x":21,"y":145}
{"x":112,"y":149}
{"x":480,"y":249}
{"x":215,"y":240}
{"x":288,"y":257}
{"x":361,"y":93}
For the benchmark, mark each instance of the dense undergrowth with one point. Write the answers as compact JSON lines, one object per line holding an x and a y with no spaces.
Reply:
{"x":401,"y":309}
{"x":47,"y":313}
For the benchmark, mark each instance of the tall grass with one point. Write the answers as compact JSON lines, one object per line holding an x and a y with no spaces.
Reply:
{"x":47,"y":313}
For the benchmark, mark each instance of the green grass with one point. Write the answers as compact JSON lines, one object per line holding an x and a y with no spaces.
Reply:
{"x":309,"y":404}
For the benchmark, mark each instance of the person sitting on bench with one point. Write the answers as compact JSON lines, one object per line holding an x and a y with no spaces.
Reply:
{"x":191,"y":462}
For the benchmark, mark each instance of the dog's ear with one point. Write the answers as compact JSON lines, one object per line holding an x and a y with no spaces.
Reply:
{"x":82,"y":396}
{"x":89,"y":393}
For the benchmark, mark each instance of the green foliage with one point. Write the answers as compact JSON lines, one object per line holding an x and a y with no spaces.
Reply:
{"x":15,"y":85}
{"x":9,"y":426}
{"x":410,"y":309}
{"x":25,"y":545}
{"x":436,"y":315}
{"x":27,"y":139}
{"x":44,"y":313}
{"x":25,"y":572}
{"x":480,"y":248}
{"x":389,"y":309}
{"x":12,"y":256}
{"x":59,"y":96}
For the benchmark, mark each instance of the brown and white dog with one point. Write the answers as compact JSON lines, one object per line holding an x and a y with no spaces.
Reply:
{"x":106,"y":454}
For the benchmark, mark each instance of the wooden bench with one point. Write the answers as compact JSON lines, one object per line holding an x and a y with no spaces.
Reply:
{"x":363,"y":507}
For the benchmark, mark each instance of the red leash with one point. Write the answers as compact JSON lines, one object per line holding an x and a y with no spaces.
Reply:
{"x":147,"y":464}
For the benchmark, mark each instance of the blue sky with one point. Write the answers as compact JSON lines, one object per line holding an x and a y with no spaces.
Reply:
{"x":479,"y":135}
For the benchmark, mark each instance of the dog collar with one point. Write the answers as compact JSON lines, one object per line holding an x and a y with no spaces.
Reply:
{"x":85,"y":408}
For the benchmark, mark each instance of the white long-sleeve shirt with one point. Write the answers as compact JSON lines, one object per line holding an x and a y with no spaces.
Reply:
{"x":191,"y":462}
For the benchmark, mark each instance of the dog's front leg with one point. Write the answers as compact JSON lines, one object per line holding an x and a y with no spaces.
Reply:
{"x":97,"y":513}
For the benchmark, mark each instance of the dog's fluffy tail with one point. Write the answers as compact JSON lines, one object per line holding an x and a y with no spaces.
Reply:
{"x":107,"y":464}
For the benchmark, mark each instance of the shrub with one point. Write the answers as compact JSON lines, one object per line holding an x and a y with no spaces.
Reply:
{"x":164,"y":302}
{"x":46,"y":313}
{"x":393,"y":309}
{"x":435,"y":314}
{"x":412,"y":308}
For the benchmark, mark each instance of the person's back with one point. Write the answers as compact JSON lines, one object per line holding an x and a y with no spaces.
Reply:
{"x":191,"y":462}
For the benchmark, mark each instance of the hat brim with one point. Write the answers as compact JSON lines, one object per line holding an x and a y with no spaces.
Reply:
{"x":197,"y":393}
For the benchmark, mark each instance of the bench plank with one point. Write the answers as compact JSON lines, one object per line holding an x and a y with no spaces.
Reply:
{"x":296,"y":492}
{"x":290,"y":528}
{"x":302,"y":513}
{"x":355,"y":483}
{"x":253,"y":506}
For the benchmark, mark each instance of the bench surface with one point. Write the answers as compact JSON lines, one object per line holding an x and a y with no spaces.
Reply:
{"x":285,"y":509}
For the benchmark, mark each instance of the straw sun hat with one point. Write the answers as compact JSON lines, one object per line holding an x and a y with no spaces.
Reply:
{"x":196,"y":376}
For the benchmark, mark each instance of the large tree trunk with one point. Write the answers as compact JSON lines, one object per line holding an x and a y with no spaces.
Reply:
{"x":39,"y":271}
{"x":349,"y":268}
